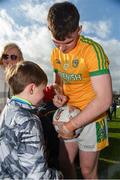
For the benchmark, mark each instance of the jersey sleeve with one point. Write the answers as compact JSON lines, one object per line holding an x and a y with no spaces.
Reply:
{"x":55,"y":60}
{"x":96,"y":60}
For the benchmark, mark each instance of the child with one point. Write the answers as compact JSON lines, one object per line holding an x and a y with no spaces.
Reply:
{"x":22,"y":150}
{"x":81,"y":68}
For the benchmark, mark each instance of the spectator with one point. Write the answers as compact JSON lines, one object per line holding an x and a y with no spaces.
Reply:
{"x":11,"y":55}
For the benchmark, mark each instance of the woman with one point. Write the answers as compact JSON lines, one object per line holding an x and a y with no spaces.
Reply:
{"x":11,"y":55}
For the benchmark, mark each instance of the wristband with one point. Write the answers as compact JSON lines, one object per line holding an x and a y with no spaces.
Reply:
{"x":70,"y":126}
{"x":66,"y":135}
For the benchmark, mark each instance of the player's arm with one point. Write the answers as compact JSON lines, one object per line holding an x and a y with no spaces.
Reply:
{"x":103,"y":88}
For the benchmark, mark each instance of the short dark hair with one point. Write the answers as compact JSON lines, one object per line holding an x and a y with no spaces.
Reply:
{"x":63,"y":19}
{"x":24,"y":73}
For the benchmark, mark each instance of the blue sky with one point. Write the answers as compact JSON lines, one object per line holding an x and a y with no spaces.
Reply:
{"x":24,"y":22}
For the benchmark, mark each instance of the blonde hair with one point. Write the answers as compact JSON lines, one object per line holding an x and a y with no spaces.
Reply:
{"x":11,"y":46}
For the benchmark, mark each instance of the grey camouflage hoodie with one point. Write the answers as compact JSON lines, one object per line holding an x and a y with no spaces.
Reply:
{"x":22,"y":150}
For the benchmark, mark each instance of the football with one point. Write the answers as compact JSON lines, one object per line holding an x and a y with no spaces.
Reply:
{"x":65,"y":114}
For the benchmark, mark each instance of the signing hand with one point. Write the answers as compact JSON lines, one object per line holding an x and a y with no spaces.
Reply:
{"x":59,"y":100}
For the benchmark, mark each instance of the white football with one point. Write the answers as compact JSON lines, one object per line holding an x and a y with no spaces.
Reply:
{"x":66,"y":113}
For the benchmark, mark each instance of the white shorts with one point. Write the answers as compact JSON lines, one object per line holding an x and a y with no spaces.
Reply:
{"x":93,"y":137}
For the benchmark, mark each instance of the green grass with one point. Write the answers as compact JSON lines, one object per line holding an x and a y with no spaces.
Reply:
{"x":109,"y":161}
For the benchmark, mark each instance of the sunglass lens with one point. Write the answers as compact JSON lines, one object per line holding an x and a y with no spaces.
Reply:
{"x":5,"y":56}
{"x":13,"y":57}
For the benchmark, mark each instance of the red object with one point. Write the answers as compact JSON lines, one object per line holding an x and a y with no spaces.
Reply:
{"x":48,"y":93}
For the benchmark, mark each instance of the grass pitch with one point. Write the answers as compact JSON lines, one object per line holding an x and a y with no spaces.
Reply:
{"x":109,"y":161}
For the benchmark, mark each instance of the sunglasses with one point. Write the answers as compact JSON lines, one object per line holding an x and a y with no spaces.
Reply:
{"x":6,"y":56}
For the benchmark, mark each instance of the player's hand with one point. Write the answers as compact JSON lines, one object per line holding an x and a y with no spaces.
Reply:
{"x":67,"y":136}
{"x":63,"y":131}
{"x":58,"y":89}
{"x":59,"y":100}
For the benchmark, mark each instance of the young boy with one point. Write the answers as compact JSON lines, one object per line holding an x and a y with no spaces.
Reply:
{"x":81,"y":68}
{"x":22,"y":150}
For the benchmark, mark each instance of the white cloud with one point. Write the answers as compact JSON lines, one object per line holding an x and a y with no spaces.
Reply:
{"x":100,"y":28}
{"x":112,"y":48}
{"x":36,"y":12}
{"x":7,"y":24}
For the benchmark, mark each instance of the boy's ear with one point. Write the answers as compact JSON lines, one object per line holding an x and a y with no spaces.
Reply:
{"x":31,"y":88}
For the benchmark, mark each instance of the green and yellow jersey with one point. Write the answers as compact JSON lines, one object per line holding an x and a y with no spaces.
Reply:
{"x":76,"y":68}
